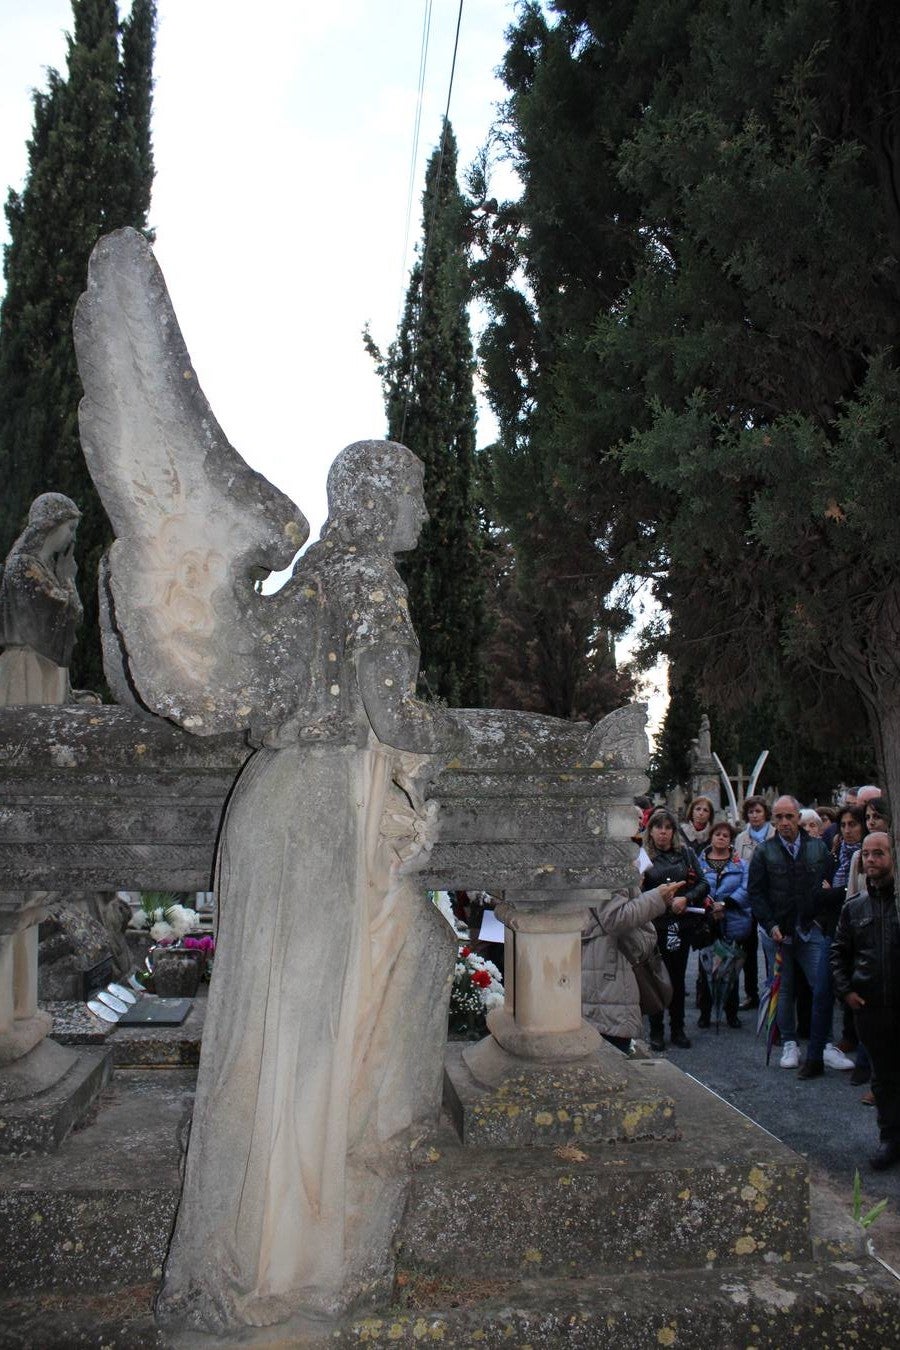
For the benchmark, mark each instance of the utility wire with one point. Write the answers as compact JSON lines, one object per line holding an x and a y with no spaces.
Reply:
{"x":428,"y":233}
{"x":420,"y":96}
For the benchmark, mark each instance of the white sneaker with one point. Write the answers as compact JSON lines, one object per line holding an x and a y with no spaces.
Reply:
{"x":790,"y":1055}
{"x":833,"y":1058}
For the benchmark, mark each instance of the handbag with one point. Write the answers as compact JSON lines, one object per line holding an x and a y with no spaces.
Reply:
{"x":654,"y":985}
{"x":703,"y":935}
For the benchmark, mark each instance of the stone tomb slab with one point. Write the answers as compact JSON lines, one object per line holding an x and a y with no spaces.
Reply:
{"x":133,"y":1047}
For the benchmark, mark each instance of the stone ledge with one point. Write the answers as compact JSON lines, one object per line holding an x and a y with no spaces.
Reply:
{"x":119,"y":1321}
{"x":98,"y":1213}
{"x":577,"y":1211}
{"x":48,"y":1093}
{"x":844,"y":1305}
{"x":544,"y":1105}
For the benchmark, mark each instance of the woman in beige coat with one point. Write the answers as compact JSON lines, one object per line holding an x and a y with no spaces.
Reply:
{"x":609,"y":991}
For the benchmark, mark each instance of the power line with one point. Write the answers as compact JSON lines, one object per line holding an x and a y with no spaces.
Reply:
{"x":428,"y":233}
{"x":420,"y":96}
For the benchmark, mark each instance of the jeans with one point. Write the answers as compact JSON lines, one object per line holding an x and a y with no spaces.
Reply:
{"x":807,"y":955}
{"x":822,"y":1019}
{"x":751,"y":964}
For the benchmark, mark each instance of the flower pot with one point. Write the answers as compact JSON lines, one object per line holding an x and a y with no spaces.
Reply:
{"x":176,"y":973}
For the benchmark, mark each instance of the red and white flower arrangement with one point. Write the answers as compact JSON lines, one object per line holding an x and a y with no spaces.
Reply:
{"x":477,"y":983}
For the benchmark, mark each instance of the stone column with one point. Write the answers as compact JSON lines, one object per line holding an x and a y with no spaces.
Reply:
{"x":22,"y":1024}
{"x":541,"y":1017}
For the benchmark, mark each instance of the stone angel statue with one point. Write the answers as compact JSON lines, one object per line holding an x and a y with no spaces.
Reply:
{"x":323,"y":1048}
{"x":328,"y":960}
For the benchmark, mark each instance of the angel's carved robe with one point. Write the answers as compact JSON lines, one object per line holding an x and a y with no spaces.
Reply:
{"x":327,"y":1015}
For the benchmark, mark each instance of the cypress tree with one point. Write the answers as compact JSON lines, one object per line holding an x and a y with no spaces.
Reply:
{"x":90,"y":170}
{"x":430,"y":403}
{"x":701,"y":375}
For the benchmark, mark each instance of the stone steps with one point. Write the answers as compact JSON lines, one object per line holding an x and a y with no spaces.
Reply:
{"x":97,"y":1214}
{"x":579,"y":1209}
{"x":593,"y":1245}
{"x":122,"y":1320}
{"x":845,"y":1305}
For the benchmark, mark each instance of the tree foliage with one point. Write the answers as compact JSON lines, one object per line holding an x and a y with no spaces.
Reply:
{"x":428,"y":386}
{"x":737,"y":387}
{"x":90,"y":170}
{"x":546,"y":265}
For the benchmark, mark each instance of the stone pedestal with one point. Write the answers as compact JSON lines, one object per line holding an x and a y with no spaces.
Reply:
{"x":544,"y":1076}
{"x":45,"y":1088}
{"x":541,"y":1016}
{"x":45,"y":1093}
{"x":22,"y":1025}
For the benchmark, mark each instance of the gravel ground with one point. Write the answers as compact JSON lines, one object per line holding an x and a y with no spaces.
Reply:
{"x":822,"y":1118}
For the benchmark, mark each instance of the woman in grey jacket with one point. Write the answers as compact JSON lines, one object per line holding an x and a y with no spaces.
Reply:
{"x":609,"y":991}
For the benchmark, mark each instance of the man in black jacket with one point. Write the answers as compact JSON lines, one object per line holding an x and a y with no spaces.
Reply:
{"x":785,"y":886}
{"x":865,"y":962}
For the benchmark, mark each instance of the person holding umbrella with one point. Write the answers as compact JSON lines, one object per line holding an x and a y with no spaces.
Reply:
{"x":726,"y":875}
{"x":786,"y":876}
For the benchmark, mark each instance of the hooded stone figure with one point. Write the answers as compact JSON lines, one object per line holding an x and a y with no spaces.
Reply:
{"x":39,"y":606}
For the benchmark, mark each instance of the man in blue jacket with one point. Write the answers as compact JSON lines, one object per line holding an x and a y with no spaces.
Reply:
{"x":786,"y":876}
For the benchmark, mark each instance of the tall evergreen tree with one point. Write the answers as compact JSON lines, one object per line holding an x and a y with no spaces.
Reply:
{"x":90,"y":170}
{"x":547,"y":264}
{"x":430,"y":404}
{"x":703,"y":362}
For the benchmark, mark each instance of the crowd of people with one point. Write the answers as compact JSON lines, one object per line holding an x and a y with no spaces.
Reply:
{"x":812,"y":889}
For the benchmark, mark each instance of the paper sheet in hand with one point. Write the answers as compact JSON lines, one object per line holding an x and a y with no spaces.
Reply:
{"x":492,"y":929}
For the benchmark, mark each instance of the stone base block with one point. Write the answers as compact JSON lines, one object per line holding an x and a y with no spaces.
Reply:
{"x":162,"y":1047}
{"x":46,"y":1093}
{"x":534,"y":1103}
{"x":22,"y":1037}
{"x":575,"y":1211}
{"x":846,"y":1304}
{"x":97,"y":1215}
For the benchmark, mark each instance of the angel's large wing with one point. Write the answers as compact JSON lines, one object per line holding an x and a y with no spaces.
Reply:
{"x":195,"y":526}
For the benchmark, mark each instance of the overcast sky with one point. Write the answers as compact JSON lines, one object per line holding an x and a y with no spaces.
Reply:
{"x":283,"y":150}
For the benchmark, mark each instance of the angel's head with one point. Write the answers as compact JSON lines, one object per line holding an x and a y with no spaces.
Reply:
{"x":376,"y":497}
{"x":52,"y":521}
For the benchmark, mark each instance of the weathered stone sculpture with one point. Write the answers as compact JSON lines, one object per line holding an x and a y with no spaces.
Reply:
{"x":324,"y":1047}
{"x":39,"y":613}
{"x":39,"y":605}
